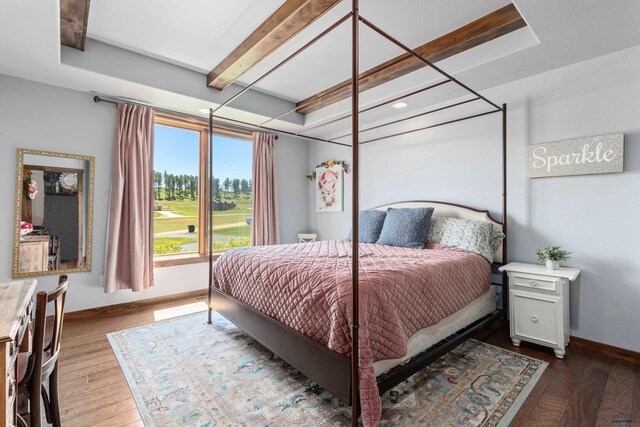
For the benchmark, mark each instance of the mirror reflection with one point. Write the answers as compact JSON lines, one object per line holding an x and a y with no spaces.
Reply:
{"x":54,"y":213}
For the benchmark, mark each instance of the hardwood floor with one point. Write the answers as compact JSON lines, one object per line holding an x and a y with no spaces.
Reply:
{"x":587,"y":388}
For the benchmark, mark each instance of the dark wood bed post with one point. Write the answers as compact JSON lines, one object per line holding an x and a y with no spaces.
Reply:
{"x":331,"y":370}
{"x":355,"y":94}
{"x":209,"y":210}
{"x":505,"y":260}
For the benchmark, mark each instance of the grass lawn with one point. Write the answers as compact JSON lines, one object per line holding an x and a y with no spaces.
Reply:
{"x":245,"y":230}
{"x":186,"y":207}
{"x":178,"y":240}
{"x":189,"y":208}
{"x":231,"y":217}
{"x":161,"y":225}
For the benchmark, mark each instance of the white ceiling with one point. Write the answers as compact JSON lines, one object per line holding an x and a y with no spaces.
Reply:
{"x":413,"y":22}
{"x":198,"y":34}
{"x":202,"y":35}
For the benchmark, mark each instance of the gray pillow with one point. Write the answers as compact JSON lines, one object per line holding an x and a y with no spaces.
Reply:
{"x":369,"y":226}
{"x":406,"y":227}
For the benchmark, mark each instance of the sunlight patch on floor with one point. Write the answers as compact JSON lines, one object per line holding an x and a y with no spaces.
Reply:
{"x":182,"y":310}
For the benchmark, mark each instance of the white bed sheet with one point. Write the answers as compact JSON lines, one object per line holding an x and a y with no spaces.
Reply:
{"x":425,"y":338}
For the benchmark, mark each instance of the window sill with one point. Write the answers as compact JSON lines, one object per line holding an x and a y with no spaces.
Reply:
{"x":186,"y":259}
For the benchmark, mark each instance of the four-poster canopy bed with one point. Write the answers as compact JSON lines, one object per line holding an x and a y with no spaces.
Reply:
{"x":334,"y":371}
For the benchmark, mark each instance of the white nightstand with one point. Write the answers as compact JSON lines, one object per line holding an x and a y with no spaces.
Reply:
{"x":539,"y":304}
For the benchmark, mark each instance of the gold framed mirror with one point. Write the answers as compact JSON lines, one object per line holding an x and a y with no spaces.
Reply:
{"x":53,"y":226}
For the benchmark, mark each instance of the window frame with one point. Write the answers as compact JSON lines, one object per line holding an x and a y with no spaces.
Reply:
{"x":202,"y":127}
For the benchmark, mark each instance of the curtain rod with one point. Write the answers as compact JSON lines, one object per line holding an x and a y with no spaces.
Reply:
{"x":220,"y":124}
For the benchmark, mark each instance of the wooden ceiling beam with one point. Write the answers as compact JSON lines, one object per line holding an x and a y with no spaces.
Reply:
{"x":290,"y":18}
{"x":489,"y":27}
{"x":74,"y":15}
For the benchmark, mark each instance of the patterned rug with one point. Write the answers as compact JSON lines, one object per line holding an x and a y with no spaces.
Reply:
{"x":183,"y":372}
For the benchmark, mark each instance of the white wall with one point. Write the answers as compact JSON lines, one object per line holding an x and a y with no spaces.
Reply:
{"x":291,"y":165}
{"x":595,"y":217}
{"x":37,"y":116}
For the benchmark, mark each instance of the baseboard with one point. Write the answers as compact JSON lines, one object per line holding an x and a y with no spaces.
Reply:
{"x":620,"y":353}
{"x":116,"y":309}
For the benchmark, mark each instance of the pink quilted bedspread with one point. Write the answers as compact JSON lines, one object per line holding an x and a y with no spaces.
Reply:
{"x":308,"y":287}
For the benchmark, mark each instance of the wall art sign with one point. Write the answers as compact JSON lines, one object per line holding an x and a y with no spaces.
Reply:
{"x":581,"y":156}
{"x":329,"y":182}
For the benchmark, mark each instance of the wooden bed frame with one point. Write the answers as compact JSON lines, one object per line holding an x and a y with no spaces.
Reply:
{"x":329,"y":369}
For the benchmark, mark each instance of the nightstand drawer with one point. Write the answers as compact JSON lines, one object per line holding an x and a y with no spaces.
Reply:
{"x":535,"y":282}
{"x":536,"y":316}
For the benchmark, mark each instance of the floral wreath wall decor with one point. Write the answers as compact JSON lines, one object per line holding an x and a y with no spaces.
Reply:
{"x":329,"y":185}
{"x":329,"y":164}
{"x":30,"y":188}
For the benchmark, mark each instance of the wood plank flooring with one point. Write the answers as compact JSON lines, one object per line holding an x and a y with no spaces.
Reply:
{"x":587,"y":388}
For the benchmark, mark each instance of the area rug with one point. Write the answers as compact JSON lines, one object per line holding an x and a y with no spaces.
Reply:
{"x":183,"y":372}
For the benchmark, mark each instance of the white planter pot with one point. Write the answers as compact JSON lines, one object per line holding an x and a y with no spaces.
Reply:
{"x":552,"y":265}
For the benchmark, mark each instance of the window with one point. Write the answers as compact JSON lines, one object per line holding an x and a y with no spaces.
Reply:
{"x":181,"y":170}
{"x":231,"y":195}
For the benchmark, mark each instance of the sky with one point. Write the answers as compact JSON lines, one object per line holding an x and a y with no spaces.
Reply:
{"x":177,"y":152}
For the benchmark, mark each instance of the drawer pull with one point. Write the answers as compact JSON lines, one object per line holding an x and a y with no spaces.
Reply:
{"x":534,"y":319}
{"x":534,"y":283}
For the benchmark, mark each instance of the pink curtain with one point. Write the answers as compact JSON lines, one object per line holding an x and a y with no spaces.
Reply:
{"x":130,"y":235}
{"x":264,"y":227}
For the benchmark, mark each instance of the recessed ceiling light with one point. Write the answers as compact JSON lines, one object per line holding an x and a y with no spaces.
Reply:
{"x":399,"y":105}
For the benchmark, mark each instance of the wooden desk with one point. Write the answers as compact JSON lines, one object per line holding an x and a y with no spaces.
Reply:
{"x":16,"y":307}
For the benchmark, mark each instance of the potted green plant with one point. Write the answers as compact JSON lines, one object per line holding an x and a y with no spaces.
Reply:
{"x":552,"y":256}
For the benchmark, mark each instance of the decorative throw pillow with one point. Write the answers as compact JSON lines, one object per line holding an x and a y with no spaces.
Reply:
{"x":475,"y":236}
{"x":406,"y":227}
{"x":369,"y":226}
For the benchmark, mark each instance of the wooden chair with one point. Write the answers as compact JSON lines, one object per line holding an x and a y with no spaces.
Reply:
{"x":54,"y":252}
{"x":42,"y":363}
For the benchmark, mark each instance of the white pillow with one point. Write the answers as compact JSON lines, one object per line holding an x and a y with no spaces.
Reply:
{"x":475,"y":236}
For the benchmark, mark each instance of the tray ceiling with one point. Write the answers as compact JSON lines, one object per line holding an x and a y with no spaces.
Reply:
{"x":200,"y":36}
{"x":131,"y":46}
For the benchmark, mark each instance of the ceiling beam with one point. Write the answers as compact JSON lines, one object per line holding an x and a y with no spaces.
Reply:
{"x":290,"y":18}
{"x":74,"y":15}
{"x":489,"y":27}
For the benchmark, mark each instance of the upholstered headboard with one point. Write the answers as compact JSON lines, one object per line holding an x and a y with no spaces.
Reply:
{"x":452,"y":210}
